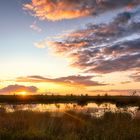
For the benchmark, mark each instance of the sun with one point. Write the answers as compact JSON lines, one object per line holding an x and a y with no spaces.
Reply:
{"x":23,"y":93}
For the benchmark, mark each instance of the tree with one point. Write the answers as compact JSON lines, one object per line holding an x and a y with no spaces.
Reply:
{"x":134,"y":93}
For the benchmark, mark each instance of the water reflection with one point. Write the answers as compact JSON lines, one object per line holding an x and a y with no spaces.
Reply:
{"x":91,"y":108}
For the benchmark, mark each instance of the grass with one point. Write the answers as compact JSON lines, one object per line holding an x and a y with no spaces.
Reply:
{"x":81,"y":100}
{"x":27,"y":125}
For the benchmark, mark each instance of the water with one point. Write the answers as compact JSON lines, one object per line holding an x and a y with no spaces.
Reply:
{"x":91,"y":108}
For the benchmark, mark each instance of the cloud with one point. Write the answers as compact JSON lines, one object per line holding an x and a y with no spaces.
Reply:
{"x":69,"y":9}
{"x":122,"y":63}
{"x":18,"y":88}
{"x":104,"y":48}
{"x":135,"y":76}
{"x":116,"y":92}
{"x":126,"y":82}
{"x":35,"y":27}
{"x":42,"y":44}
{"x":69,"y":80}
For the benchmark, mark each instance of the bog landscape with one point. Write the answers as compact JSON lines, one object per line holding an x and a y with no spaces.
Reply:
{"x":70,"y":70}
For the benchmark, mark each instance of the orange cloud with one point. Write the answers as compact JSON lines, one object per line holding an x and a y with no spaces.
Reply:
{"x":130,"y":6}
{"x":57,"y":10}
{"x":18,"y":88}
{"x":104,"y":48}
{"x":69,"y":80}
{"x":69,"y":9}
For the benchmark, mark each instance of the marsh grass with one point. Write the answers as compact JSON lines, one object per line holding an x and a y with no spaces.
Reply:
{"x":28,"y":125}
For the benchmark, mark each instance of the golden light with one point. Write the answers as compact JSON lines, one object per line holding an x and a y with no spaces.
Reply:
{"x":23,"y":93}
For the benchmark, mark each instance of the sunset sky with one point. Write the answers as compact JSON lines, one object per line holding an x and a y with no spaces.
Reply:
{"x":69,"y":46}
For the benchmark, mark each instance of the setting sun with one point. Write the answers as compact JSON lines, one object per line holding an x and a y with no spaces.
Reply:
{"x":23,"y":93}
{"x":70,"y":69}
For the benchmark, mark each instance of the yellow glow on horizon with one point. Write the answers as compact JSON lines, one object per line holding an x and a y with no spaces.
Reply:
{"x":23,"y":93}
{"x":113,"y":80}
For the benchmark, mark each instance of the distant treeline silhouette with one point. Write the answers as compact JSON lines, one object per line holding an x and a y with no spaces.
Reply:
{"x":81,"y":100}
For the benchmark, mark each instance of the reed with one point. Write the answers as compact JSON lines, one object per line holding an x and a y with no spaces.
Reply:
{"x":28,"y":125}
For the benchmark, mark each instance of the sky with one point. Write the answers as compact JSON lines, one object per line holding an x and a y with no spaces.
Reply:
{"x":70,"y":46}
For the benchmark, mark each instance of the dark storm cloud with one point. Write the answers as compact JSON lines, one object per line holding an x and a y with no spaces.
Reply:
{"x":68,"y":9}
{"x":104,"y":48}
{"x":18,"y":88}
{"x":69,"y":80}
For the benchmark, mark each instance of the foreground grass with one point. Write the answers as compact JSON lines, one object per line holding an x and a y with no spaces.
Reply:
{"x":26,"y":125}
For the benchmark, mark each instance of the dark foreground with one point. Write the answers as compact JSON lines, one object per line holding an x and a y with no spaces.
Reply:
{"x":26,"y":125}
{"x":81,"y":100}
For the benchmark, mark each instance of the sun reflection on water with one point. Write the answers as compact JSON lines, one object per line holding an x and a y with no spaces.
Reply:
{"x":93,"y":109}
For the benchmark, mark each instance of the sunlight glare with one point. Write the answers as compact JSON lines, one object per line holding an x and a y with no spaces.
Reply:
{"x":23,"y":93}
